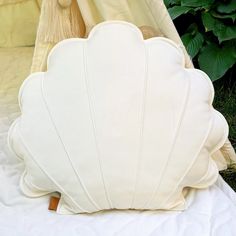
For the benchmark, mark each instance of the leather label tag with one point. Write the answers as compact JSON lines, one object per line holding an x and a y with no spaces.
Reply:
{"x":53,"y":203}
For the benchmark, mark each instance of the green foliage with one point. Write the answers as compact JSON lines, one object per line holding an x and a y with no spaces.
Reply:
{"x":193,"y":43}
{"x":208,"y":32}
{"x":216,"y":61}
{"x":225,"y":102}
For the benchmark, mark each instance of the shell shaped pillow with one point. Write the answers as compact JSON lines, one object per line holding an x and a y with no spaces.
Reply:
{"x":117,"y":122}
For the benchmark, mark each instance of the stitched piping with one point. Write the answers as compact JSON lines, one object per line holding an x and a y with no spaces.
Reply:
{"x":208,"y":133}
{"x":142,"y":114}
{"x":47,"y":174}
{"x":173,"y":143}
{"x":65,"y":149}
{"x":92,"y":116}
{"x":192,"y":163}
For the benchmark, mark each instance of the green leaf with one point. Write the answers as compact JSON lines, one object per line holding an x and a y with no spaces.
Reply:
{"x":225,"y":33}
{"x":197,"y":3}
{"x":171,"y":2}
{"x":177,"y":11}
{"x":216,"y":61}
{"x":219,"y":29}
{"x":231,"y":45}
{"x":227,"y":8}
{"x":231,"y":16}
{"x":209,"y":22}
{"x":193,"y":43}
{"x":193,"y":28}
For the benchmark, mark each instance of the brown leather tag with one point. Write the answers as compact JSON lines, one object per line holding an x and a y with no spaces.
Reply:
{"x":53,"y":203}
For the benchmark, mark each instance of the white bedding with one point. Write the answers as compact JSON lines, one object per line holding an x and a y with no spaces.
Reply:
{"x":212,"y":212}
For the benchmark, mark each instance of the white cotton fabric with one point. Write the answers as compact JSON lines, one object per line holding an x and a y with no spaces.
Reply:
{"x":211,"y":211}
{"x":117,"y":122}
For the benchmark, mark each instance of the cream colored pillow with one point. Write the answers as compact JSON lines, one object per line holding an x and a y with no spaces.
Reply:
{"x":117,"y":122}
{"x":18,"y":23}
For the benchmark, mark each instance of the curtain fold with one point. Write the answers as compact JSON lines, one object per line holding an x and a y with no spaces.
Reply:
{"x":77,"y":20}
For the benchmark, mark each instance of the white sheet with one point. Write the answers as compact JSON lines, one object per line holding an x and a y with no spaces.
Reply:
{"x":212,"y":212}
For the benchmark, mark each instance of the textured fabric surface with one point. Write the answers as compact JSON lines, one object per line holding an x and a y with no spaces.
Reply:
{"x":5,"y":2}
{"x":18,"y":23}
{"x":211,"y":212}
{"x":121,"y":108}
{"x":14,"y":67}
